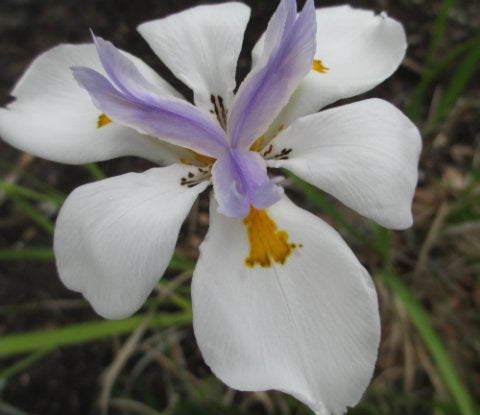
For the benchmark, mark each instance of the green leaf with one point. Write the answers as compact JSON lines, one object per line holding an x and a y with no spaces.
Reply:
{"x":465,"y":71}
{"x":181,"y":263}
{"x":12,"y":188}
{"x":430,"y":74}
{"x":433,"y":342}
{"x":41,"y":220}
{"x":23,"y":364}
{"x":95,"y":171}
{"x":32,"y":180}
{"x":437,"y":31}
{"x":37,"y":253}
{"x":27,"y":342}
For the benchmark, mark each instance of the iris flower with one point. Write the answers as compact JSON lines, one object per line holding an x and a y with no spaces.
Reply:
{"x":279,"y":299}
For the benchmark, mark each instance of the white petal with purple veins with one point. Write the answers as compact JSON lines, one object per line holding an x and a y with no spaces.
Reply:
{"x":365,"y":154}
{"x":309,"y":327}
{"x":54,"y":118}
{"x":359,"y":48}
{"x":114,"y":238}
{"x":201,"y":47}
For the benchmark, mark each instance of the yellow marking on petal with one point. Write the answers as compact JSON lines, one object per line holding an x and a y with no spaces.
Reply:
{"x":260,"y":142}
{"x":197,"y":159}
{"x":183,"y":161}
{"x":205,"y":160}
{"x":103,"y":120}
{"x":266,"y":243}
{"x":318,"y":66}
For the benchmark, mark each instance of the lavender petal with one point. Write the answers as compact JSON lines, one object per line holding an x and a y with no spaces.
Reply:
{"x":240,"y":180}
{"x":169,"y":119}
{"x":268,"y":88}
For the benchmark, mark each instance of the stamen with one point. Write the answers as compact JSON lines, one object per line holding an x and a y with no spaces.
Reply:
{"x":266,"y":243}
{"x":318,"y":66}
{"x":282,"y":155}
{"x":219,"y":110}
{"x":103,"y":120}
{"x":196,"y":175}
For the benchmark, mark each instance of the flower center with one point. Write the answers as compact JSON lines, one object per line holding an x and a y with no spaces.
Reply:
{"x":266,"y":242}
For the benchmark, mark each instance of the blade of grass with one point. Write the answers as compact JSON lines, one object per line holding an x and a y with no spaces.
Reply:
{"x":95,"y":171}
{"x":37,"y":253}
{"x":181,"y":263}
{"x":25,"y":342}
{"x":382,"y":241}
{"x":462,"y":75}
{"x":430,"y":74}
{"x":42,"y":221}
{"x":437,"y":31}
{"x":32,"y":180}
{"x":12,"y":188}
{"x":433,"y":342}
{"x":24,"y":363}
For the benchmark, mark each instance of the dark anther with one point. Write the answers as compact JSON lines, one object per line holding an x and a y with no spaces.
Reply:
{"x":270,"y":148}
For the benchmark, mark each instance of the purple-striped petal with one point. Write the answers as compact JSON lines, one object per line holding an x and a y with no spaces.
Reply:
{"x":123,"y":72}
{"x":240,"y":180}
{"x":290,"y":44}
{"x":169,"y":119}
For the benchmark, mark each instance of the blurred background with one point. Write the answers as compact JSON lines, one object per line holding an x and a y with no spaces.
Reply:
{"x":58,"y":357}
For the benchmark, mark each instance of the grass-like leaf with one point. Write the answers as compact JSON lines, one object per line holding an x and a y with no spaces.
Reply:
{"x":24,"y":363}
{"x":36,"y":253}
{"x":430,"y":74}
{"x":181,"y":263}
{"x":465,"y":71}
{"x":433,"y":342}
{"x":437,"y":32}
{"x":31,"y":180}
{"x":12,"y":188}
{"x":32,"y":341}
{"x":41,"y":220}
{"x":95,"y":171}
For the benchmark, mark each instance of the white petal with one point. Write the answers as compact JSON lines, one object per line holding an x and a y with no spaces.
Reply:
{"x":365,"y":154}
{"x":309,"y":328}
{"x":54,"y":118}
{"x":114,"y":238}
{"x":201,"y":47}
{"x":360,"y":49}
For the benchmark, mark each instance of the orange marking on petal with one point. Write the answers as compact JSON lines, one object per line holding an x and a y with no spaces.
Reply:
{"x":318,"y":66}
{"x":261,"y":141}
{"x":183,"y":161}
{"x":205,"y":160}
{"x":103,"y":120}
{"x":266,"y":243}
{"x":258,"y":144}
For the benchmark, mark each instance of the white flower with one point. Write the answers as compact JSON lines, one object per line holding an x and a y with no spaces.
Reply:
{"x":279,"y":300}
